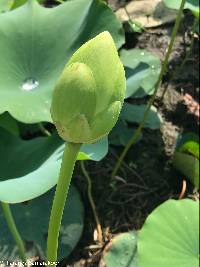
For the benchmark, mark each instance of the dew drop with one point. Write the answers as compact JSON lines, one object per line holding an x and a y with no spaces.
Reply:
{"x":142,"y":53}
{"x":153,"y":67}
{"x":29,"y":84}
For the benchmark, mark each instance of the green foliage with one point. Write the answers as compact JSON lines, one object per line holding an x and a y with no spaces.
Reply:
{"x":90,"y":92}
{"x":121,"y":133}
{"x":135,"y":114}
{"x":170,"y":236}
{"x":186,"y":157}
{"x":193,"y":5}
{"x":187,"y":165}
{"x":33,"y":166}
{"x":37,"y":44}
{"x":32,"y":222}
{"x":142,"y":72}
{"x":122,"y":251}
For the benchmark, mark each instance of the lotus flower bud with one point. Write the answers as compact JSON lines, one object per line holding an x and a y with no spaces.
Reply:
{"x":90,"y":93}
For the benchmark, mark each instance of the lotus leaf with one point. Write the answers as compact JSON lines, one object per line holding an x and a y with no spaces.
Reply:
{"x":35,"y":45}
{"x":30,"y":168}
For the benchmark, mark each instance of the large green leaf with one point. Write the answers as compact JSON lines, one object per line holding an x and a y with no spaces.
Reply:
{"x":32,"y":222}
{"x":193,"y":5}
{"x":121,"y":252}
{"x":30,"y":168}
{"x":170,"y":236}
{"x":35,"y":44}
{"x":135,"y":114}
{"x":142,"y":71}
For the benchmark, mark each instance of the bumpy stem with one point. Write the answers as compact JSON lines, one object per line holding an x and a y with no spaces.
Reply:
{"x":13,"y":229}
{"x":66,"y":171}
{"x":137,"y":133}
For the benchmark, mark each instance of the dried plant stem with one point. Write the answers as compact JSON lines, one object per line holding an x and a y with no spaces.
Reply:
{"x":13,"y":229}
{"x":66,"y":171}
{"x":137,"y":133}
{"x":184,"y":187}
{"x":99,"y":228}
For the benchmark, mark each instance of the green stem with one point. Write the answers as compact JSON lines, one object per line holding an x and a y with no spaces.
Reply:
{"x":66,"y":171}
{"x":13,"y":229}
{"x":137,"y":133}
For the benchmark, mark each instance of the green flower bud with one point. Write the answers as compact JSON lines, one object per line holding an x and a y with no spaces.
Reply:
{"x":90,"y":93}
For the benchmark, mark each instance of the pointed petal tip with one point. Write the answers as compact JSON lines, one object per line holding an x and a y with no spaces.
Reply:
{"x":105,"y":35}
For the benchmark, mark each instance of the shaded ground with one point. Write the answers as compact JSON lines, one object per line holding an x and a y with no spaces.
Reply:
{"x":147,"y":177}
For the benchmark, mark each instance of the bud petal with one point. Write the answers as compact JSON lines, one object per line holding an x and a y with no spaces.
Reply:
{"x":74,"y":102}
{"x":90,"y":92}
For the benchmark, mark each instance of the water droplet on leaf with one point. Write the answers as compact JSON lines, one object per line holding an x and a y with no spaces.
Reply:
{"x":29,"y":84}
